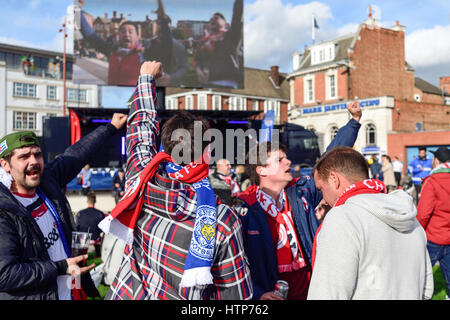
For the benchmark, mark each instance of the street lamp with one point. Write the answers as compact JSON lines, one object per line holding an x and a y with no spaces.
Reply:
{"x":64,"y":66}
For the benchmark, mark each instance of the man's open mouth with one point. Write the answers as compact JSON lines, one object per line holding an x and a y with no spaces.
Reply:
{"x":33,"y":172}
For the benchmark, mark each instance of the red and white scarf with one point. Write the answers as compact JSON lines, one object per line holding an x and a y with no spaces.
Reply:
{"x":367,"y":186}
{"x":289,"y":255}
{"x":235,"y":189}
{"x":122,"y":220}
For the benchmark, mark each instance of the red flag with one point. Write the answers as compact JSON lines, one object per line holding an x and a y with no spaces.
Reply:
{"x":75,"y":129}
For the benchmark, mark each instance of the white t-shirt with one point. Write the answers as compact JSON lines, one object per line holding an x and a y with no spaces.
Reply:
{"x":397,"y":166}
{"x":52,"y":239}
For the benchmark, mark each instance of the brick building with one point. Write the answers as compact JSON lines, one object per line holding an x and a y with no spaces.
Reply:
{"x":444,"y":85}
{"x":369,"y":66}
{"x":263,"y":90}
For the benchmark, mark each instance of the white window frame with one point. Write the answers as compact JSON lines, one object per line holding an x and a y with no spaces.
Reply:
{"x":189,"y":102}
{"x":307,"y":90}
{"x":171,"y":103}
{"x":255,"y":105}
{"x":27,"y":90}
{"x":329,"y":88}
{"x":269,"y":105}
{"x":76,"y":95}
{"x":266,"y":106}
{"x":242,"y":105}
{"x":168,"y":103}
{"x":216,"y":102}
{"x":274,"y":105}
{"x":202,"y":102}
{"x":27,"y":120}
{"x":277,"y":111}
{"x":238,"y":104}
{"x":367,"y":132}
{"x":52,"y":89}
{"x":323,"y":53}
{"x":233,"y":104}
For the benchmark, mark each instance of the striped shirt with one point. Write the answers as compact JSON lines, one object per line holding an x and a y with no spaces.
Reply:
{"x":153,"y":265}
{"x":52,"y":239}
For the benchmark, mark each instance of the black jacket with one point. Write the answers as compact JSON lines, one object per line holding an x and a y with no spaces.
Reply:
{"x":221,"y":188}
{"x":88,"y":220}
{"x":26,"y":271}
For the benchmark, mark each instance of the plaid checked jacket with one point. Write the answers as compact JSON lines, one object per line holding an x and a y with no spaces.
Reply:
{"x":153,"y":265}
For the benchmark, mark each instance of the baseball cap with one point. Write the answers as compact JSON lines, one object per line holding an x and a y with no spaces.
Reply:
{"x":442,"y":154}
{"x":17,"y":140}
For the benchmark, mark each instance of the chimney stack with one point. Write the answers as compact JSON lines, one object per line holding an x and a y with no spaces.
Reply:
{"x":444,"y":84}
{"x":398,"y":27}
{"x":274,"y":74}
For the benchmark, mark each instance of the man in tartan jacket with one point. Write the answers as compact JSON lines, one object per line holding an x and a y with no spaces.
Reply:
{"x":153,"y":265}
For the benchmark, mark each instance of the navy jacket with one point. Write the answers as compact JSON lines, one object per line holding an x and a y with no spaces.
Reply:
{"x":304,"y":197}
{"x":88,"y":220}
{"x":26,"y":271}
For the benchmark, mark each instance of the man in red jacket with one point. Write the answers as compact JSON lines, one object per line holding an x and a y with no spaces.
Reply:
{"x":433,"y":211}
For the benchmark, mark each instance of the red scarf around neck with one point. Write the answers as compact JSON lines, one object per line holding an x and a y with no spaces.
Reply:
{"x":289,"y":254}
{"x":126,"y":213}
{"x":234,"y":187}
{"x":368,"y":186}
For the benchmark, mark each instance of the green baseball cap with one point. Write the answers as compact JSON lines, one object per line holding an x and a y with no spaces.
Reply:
{"x":17,"y":140}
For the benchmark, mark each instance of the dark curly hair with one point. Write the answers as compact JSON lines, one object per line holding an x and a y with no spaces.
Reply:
{"x":172,"y":137}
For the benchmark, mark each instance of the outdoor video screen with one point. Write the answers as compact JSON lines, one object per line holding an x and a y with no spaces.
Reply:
{"x":199,"y":42}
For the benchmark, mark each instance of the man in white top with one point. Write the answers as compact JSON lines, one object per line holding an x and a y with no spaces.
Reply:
{"x":35,"y":217}
{"x":370,"y":244}
{"x":397,"y":165}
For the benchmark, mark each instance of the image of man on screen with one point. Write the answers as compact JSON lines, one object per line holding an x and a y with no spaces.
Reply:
{"x":218,"y":58}
{"x":126,"y":56}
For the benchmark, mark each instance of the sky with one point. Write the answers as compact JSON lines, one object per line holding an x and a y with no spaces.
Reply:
{"x":273,"y":29}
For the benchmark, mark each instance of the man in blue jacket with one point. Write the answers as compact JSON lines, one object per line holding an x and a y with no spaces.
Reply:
{"x":36,"y":221}
{"x":279,"y":220}
{"x":420,"y":168}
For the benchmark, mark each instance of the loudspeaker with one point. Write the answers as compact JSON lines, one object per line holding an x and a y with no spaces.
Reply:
{"x":160,"y":98}
{"x":55,"y":137}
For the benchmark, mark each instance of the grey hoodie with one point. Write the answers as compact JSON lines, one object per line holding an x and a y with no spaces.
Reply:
{"x":372,"y":247}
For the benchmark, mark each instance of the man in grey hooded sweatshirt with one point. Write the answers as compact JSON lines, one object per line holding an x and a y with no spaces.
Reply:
{"x":370,"y":244}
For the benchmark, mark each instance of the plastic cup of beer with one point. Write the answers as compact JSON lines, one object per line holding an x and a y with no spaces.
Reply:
{"x":80,"y":244}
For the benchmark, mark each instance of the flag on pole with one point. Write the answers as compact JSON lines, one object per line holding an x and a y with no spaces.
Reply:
{"x":315,"y":26}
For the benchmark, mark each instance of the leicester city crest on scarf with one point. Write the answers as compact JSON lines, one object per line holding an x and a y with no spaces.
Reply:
{"x":202,"y":243}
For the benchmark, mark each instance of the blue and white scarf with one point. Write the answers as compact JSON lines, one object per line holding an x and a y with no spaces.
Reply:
{"x":197,"y":268}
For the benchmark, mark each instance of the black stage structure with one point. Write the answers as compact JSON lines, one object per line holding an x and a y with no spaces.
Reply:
{"x":302,"y":144}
